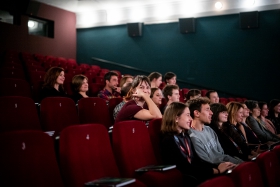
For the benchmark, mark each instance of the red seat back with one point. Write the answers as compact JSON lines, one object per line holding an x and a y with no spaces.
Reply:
{"x":27,"y":158}
{"x":154,"y":131}
{"x":57,"y":113}
{"x":270,"y":168}
{"x":94,"y":110}
{"x":18,"y":113}
{"x":247,"y":174}
{"x":86,"y":154}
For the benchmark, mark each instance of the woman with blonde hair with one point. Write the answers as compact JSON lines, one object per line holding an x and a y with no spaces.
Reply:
{"x":236,"y":131}
{"x":177,"y":148}
{"x":53,"y":83}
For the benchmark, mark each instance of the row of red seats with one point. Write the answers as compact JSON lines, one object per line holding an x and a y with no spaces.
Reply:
{"x":54,"y":114}
{"x":85,"y":154}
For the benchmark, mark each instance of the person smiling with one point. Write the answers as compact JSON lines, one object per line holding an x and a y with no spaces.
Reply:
{"x":236,"y":132}
{"x":141,"y":107}
{"x":53,"y":83}
{"x":156,"y":96}
{"x":204,"y":139}
{"x":80,"y":87}
{"x":177,"y":148}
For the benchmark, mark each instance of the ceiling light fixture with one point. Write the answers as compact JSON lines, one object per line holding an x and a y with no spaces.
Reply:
{"x":218,"y":5}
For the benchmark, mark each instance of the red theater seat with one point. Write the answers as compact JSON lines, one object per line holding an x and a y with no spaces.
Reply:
{"x":247,"y":174}
{"x":18,"y":113}
{"x":270,"y":168}
{"x":154,"y":131}
{"x":15,"y":87}
{"x":86,"y":154}
{"x":57,"y":113}
{"x":27,"y":158}
{"x":133,"y":149}
{"x":221,"y":181}
{"x":94,"y":110}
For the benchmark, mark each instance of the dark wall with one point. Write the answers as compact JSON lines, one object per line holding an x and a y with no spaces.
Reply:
{"x":16,"y":37}
{"x":219,"y":55}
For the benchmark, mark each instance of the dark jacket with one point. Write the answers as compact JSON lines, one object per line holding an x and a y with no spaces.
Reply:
{"x":172,"y":154}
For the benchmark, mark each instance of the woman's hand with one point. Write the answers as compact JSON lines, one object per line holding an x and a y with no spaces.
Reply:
{"x":139,"y":93}
{"x":226,"y":166}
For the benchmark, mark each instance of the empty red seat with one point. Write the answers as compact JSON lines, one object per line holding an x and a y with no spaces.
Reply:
{"x":247,"y":174}
{"x":133,"y":149}
{"x":221,"y":181}
{"x":154,"y":131}
{"x":13,"y":73}
{"x":18,"y":113}
{"x":94,"y":110}
{"x":57,"y":113}
{"x":86,"y":154}
{"x":27,"y":158}
{"x":94,"y":89}
{"x":15,"y":87}
{"x":270,"y":168}
{"x":223,"y":100}
{"x":203,"y":92}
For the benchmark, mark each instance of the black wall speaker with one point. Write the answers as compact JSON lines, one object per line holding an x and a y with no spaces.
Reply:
{"x":187,"y":25}
{"x":249,"y":20}
{"x":134,"y":29}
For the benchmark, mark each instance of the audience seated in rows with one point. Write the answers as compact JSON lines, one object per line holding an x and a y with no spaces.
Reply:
{"x":234,"y":130}
{"x":155,"y":79}
{"x":213,"y":96}
{"x":177,"y":147}
{"x":219,"y":117}
{"x":252,"y":139}
{"x":171,"y":94}
{"x":141,"y":107}
{"x":170,"y":78}
{"x":111,"y":88}
{"x":257,"y":126}
{"x":204,"y":139}
{"x":80,"y":87}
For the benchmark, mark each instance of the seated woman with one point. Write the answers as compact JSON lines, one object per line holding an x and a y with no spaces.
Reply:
{"x":264,"y":113}
{"x":257,"y":126}
{"x":236,"y":131}
{"x":155,"y":79}
{"x":80,"y":87}
{"x":53,"y":83}
{"x":125,"y":79}
{"x":177,"y":148}
{"x":219,"y":117}
{"x":274,"y":113}
{"x":141,"y":107}
{"x":156,"y":96}
{"x":252,"y":138}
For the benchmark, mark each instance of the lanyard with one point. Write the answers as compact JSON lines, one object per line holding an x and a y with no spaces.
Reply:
{"x":188,"y":151}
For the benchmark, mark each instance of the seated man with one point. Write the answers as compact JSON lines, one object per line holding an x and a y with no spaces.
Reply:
{"x":213,"y":96}
{"x":110,"y":90}
{"x":204,"y":139}
{"x":171,"y":94}
{"x":192,"y":94}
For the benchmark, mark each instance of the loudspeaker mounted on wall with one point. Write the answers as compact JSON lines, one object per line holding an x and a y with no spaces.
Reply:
{"x":134,"y":29}
{"x":249,"y":20}
{"x":187,"y":25}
